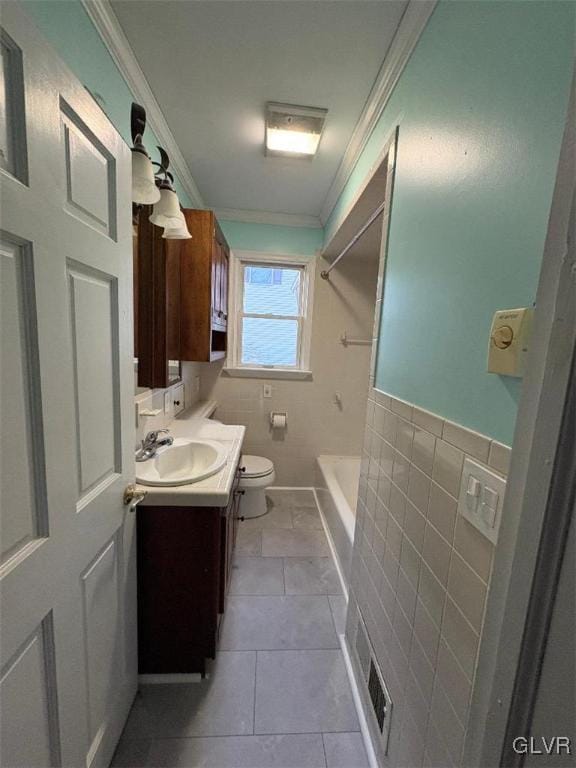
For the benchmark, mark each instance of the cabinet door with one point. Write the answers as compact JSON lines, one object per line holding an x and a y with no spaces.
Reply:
{"x":158,"y":320}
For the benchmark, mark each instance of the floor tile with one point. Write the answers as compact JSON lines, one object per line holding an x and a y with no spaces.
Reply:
{"x":303,"y":498}
{"x":248,"y":541}
{"x":345,"y":750}
{"x":307,"y":517}
{"x":338,"y":606}
{"x":277,"y":517}
{"x":219,"y":706}
{"x":294,"y":543}
{"x":277,"y":623}
{"x":132,"y":754}
{"x":303,"y":692}
{"x":257,"y":576}
{"x":311,"y":576}
{"x":284,"y":751}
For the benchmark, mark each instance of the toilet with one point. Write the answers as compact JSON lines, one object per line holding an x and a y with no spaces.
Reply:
{"x":258,"y":475}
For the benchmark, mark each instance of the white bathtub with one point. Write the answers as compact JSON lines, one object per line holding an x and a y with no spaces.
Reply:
{"x":337,"y":490}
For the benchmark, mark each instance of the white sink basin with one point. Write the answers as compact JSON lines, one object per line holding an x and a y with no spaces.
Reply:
{"x":185,"y":461}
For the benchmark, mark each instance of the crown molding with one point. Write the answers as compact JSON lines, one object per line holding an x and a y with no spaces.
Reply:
{"x":112,"y":34}
{"x":267,"y":217}
{"x":409,"y":30}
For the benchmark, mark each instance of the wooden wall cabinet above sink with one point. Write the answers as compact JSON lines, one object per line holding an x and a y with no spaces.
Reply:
{"x":203,"y":289}
{"x":180,"y":297}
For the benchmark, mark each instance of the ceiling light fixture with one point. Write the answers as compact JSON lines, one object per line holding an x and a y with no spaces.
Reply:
{"x":293,"y":131}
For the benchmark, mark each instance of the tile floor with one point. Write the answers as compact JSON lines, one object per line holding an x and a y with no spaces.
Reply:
{"x":277,"y":695}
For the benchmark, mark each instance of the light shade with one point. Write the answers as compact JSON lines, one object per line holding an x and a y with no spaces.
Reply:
{"x":293,"y":131}
{"x":176,"y":229}
{"x":292,"y":142}
{"x":166,"y":209}
{"x":144,"y":189}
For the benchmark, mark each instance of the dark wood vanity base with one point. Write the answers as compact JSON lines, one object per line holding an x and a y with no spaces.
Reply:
{"x":184,"y":566}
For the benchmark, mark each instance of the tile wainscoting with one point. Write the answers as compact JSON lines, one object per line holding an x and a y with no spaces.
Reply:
{"x":420,"y":574}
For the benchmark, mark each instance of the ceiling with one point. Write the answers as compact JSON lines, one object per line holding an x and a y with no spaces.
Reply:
{"x":213,"y":64}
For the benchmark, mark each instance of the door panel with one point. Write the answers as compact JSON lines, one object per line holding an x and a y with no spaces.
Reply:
{"x":102,"y":626}
{"x":67,"y":578}
{"x":89,"y":174}
{"x":26,"y":686}
{"x":23,"y":479}
{"x":93,"y":319}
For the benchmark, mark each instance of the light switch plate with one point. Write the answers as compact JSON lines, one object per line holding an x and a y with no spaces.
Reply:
{"x":168,"y":403}
{"x":481,"y":498}
{"x":267,"y":390}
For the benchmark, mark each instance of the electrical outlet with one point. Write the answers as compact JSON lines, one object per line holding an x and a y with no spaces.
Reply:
{"x":267,"y":390}
{"x":167,"y":402}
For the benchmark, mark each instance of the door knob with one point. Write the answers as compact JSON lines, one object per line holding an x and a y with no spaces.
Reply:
{"x":132,"y":496}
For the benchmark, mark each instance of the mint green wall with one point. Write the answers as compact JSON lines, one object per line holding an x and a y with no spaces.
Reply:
{"x":67,"y":26}
{"x":482,"y":103}
{"x":69,"y":29}
{"x":270,"y":238}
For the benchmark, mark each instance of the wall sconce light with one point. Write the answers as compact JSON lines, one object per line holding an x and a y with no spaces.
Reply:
{"x":177,"y":229}
{"x":144,"y":189}
{"x":155,"y":188}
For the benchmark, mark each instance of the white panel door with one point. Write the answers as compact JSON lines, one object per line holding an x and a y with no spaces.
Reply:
{"x":68,"y":661}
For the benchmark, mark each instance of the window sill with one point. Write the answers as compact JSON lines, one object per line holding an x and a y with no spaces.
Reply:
{"x":267,"y":373}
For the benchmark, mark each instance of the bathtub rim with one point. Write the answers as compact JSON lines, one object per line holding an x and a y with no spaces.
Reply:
{"x":349,"y":518}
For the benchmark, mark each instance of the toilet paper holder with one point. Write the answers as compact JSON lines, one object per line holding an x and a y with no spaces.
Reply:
{"x":278,"y":419}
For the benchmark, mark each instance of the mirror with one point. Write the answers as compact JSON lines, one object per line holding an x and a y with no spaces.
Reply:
{"x":156,"y":305}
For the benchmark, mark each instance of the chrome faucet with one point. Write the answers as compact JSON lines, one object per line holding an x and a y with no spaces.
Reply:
{"x":151,"y":443}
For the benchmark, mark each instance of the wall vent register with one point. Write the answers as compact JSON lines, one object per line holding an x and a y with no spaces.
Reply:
{"x":373,"y":682}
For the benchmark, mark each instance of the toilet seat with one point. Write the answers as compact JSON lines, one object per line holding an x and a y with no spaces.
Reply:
{"x":256,"y":466}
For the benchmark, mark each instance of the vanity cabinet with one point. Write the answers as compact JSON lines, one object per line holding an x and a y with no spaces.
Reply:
{"x":204,"y":289}
{"x":184,"y":569}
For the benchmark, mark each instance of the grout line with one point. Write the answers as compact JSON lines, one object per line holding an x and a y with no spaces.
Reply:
{"x":255,"y":688}
{"x":279,"y":650}
{"x":324,"y":750}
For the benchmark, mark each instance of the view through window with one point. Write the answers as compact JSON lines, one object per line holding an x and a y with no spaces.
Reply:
{"x":271,"y":316}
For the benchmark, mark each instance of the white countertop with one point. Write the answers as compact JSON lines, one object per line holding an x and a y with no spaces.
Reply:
{"x":213,"y":491}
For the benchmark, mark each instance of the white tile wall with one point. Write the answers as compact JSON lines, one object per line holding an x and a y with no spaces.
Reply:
{"x":316,"y":424}
{"x":154,"y":399}
{"x":420,"y":574}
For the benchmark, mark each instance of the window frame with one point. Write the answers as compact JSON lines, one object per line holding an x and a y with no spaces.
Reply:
{"x":238,"y":261}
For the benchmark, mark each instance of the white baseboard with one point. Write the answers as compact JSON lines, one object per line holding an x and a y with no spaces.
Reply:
{"x":333,"y":550}
{"x":364,"y":729}
{"x":185,"y":677}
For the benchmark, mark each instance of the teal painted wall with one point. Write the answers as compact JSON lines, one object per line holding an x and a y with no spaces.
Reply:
{"x":269,"y":238}
{"x":482,"y":104}
{"x":69,"y":29}
{"x":67,"y":26}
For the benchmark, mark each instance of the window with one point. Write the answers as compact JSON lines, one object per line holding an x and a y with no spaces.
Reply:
{"x":272,"y":315}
